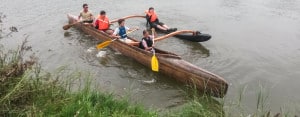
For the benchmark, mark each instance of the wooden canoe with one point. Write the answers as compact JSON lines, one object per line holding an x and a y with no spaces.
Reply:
{"x":170,"y":64}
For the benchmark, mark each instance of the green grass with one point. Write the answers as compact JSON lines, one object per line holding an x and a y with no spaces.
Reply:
{"x":31,"y":96}
{"x":28,"y":91}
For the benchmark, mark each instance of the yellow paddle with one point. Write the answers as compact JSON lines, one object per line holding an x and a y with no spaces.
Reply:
{"x":106,"y":43}
{"x":154,"y":61}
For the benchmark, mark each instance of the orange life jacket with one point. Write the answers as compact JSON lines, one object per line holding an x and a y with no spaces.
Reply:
{"x":152,"y":16}
{"x":103,"y":24}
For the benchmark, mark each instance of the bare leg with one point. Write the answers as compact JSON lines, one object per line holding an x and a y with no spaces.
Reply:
{"x":165,"y":26}
{"x":132,"y":42}
{"x":161,"y":27}
{"x":110,"y":32}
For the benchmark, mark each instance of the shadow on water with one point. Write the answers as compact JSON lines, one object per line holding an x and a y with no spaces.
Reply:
{"x":197,"y":49}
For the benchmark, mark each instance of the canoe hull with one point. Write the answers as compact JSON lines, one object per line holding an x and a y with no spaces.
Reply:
{"x":169,"y":64}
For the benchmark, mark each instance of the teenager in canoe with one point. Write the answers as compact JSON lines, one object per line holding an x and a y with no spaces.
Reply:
{"x":147,"y":41}
{"x":103,"y":24}
{"x":120,"y":32}
{"x":85,"y":15}
{"x":152,"y":19}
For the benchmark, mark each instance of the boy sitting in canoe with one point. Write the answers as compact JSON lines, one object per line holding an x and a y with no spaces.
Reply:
{"x":147,"y":41}
{"x":85,"y":15}
{"x":152,"y":19}
{"x":120,"y":32}
{"x":103,"y":24}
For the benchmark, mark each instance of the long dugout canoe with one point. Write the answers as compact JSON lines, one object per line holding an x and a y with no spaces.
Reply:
{"x":170,"y":64}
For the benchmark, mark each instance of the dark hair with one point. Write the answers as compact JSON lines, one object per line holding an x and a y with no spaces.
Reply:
{"x":120,"y":21}
{"x":144,"y":32}
{"x":151,"y":8}
{"x":84,"y":5}
{"x":102,"y":12}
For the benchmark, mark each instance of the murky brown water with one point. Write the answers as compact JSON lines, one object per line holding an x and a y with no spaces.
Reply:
{"x":255,"y":43}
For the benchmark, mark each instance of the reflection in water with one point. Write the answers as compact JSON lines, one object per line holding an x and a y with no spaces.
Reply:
{"x":197,"y":49}
{"x":67,"y":34}
{"x":230,"y":3}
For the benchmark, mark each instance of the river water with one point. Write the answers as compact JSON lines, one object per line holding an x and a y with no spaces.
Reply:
{"x":254,"y":45}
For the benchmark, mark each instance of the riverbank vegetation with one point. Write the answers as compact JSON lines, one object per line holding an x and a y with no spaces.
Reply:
{"x":27,"y":90}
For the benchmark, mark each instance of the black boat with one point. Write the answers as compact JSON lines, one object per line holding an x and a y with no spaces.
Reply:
{"x":195,"y":37}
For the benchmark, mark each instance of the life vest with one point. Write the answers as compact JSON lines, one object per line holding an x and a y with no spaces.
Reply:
{"x":152,"y":16}
{"x":122,"y":32}
{"x":103,"y":24}
{"x":148,"y":40}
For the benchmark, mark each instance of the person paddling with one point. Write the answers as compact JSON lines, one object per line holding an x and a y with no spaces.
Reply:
{"x":103,"y":24}
{"x":147,"y":41}
{"x":85,"y":15}
{"x":120,"y":32}
{"x":152,"y":19}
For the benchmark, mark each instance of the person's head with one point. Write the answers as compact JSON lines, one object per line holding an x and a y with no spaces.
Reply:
{"x":121,"y":22}
{"x":151,"y":9}
{"x":85,"y":6}
{"x":102,"y":13}
{"x":145,"y":33}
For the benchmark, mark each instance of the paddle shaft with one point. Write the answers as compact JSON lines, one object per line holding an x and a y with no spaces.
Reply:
{"x":127,"y":17}
{"x":154,"y":61}
{"x":153,"y":40}
{"x":68,"y":26}
{"x":168,"y":35}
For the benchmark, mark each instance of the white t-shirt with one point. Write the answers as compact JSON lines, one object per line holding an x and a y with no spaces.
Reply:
{"x":117,"y":30}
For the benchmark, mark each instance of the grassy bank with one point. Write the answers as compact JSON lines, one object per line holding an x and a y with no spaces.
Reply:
{"x":26,"y":90}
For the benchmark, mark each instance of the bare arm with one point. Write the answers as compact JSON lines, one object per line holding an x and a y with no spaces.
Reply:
{"x":92,"y":17}
{"x":79,"y":16}
{"x":146,"y":46}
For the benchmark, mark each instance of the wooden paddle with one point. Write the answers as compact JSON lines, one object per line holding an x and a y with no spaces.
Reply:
{"x":127,"y":17}
{"x":154,"y":61}
{"x":106,"y":43}
{"x":173,"y":34}
{"x":168,"y":35}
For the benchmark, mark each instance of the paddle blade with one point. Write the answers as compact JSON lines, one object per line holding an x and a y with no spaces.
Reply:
{"x":154,"y":63}
{"x":104,"y":44}
{"x":66,"y":27}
